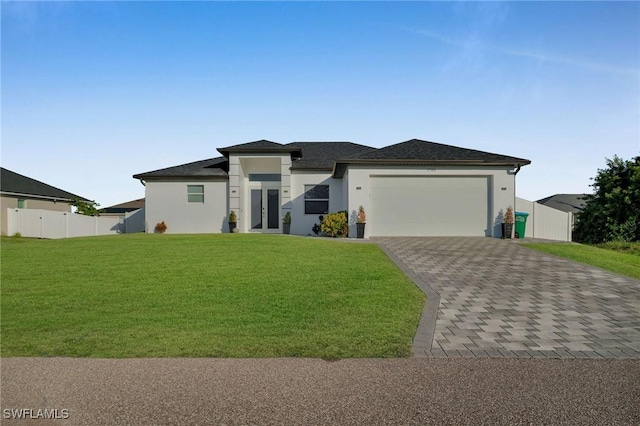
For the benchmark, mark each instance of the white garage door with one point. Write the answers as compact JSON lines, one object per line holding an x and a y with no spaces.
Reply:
{"x":429,"y":206}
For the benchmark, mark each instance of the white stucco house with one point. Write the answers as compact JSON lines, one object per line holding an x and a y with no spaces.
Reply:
{"x":413,"y":188}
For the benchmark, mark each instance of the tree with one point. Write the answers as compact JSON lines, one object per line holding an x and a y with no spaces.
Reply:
{"x":87,"y":208}
{"x":612,"y":212}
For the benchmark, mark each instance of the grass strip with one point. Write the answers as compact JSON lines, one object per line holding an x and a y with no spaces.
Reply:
{"x":610,"y":260}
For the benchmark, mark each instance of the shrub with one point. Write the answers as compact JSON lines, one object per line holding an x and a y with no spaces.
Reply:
{"x":87,"y":208}
{"x":611,"y":213}
{"x":232,"y":216}
{"x":335,"y":225}
{"x":361,"y":217}
{"x":287,"y":218}
{"x":161,"y":227}
{"x":508,"y":216}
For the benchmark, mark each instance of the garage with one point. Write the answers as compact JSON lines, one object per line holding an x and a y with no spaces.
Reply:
{"x":430,"y":206}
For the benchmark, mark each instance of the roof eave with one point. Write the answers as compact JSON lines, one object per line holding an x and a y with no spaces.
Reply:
{"x":43,"y":197}
{"x":198,"y":177}
{"x":284,"y":150}
{"x":340,"y":165}
{"x":312,"y":168}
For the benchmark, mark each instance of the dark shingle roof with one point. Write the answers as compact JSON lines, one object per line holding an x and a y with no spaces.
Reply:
{"x":206,"y":168}
{"x":260,"y":146}
{"x":15,"y":183}
{"x":125,"y":207}
{"x":573,"y":203}
{"x":322,"y":155}
{"x":337,"y":155}
{"x":416,"y":149}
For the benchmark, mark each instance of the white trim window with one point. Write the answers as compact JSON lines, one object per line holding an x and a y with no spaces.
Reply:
{"x":195,"y":193}
{"x":316,"y":199}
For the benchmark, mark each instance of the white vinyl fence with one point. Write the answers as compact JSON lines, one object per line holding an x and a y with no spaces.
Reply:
{"x":50,"y":224}
{"x":545,"y":222}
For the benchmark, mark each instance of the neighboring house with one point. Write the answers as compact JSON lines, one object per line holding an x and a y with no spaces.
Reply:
{"x":21,"y":192}
{"x":121,"y":209}
{"x":413,"y":188}
{"x":573,"y":203}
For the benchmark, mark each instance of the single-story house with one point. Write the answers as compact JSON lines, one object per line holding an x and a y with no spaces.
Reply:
{"x":573,"y":203}
{"x":22,"y":192}
{"x":413,"y":188}
{"x":123,"y":208}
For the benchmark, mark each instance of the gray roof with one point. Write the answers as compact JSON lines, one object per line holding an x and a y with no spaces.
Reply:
{"x":573,"y":203}
{"x":205,"y":168}
{"x":419,"y":150}
{"x":12,"y":183}
{"x":416,"y":151}
{"x":337,"y":155}
{"x":125,"y":207}
{"x":260,"y":146}
{"x":323,"y":155}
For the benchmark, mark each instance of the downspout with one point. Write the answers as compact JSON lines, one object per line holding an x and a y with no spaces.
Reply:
{"x":142,"y":182}
{"x":515,"y":197}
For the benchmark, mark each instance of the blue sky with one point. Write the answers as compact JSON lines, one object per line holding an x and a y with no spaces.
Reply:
{"x":93,"y":93}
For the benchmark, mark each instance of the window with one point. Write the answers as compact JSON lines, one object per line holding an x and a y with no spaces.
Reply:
{"x":195,"y":193}
{"x":21,"y":203}
{"x":264,"y":177}
{"x":316,"y":199}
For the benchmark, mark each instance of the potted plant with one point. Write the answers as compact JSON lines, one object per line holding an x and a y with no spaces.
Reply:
{"x":233,"y":221}
{"x":361,"y":221}
{"x":507,"y":223}
{"x":286,"y":223}
{"x":161,"y":227}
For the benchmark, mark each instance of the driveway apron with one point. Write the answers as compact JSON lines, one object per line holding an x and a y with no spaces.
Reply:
{"x":496,"y":298}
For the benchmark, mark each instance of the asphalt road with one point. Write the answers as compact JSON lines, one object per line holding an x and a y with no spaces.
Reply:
{"x":457,"y":391}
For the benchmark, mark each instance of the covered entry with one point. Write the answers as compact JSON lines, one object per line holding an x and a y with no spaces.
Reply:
{"x":430,"y":206}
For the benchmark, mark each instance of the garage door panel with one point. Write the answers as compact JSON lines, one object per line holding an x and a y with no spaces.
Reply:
{"x":429,"y":206}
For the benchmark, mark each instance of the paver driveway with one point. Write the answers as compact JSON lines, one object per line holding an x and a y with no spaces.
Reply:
{"x":497,"y":298}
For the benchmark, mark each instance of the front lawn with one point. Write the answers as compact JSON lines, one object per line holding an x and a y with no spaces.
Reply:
{"x":613,"y":259}
{"x":231,"y":295}
{"x":622,"y":247}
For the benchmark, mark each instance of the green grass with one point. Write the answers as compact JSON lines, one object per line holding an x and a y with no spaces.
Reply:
{"x":614,"y":258}
{"x":203,"y":296}
{"x":629,"y":248}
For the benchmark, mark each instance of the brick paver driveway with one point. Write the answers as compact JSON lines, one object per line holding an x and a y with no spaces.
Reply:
{"x":497,"y":298}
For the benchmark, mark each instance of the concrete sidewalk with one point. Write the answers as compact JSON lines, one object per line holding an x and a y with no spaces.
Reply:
{"x":462,"y":391}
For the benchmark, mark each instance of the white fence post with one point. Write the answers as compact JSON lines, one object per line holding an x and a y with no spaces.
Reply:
{"x":36,"y":223}
{"x":533,"y":222}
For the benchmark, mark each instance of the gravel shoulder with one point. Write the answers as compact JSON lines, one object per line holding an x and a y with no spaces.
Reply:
{"x":311,"y":391}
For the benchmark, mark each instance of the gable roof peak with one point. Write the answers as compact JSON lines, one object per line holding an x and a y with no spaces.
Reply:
{"x":261,"y":146}
{"x":421,"y":150}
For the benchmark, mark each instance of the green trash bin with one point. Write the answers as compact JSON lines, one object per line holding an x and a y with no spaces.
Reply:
{"x":521,"y":224}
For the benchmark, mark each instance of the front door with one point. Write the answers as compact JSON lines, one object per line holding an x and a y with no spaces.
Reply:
{"x":265,"y":209}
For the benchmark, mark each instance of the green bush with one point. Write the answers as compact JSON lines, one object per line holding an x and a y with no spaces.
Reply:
{"x":335,"y":225}
{"x":611,"y":213}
